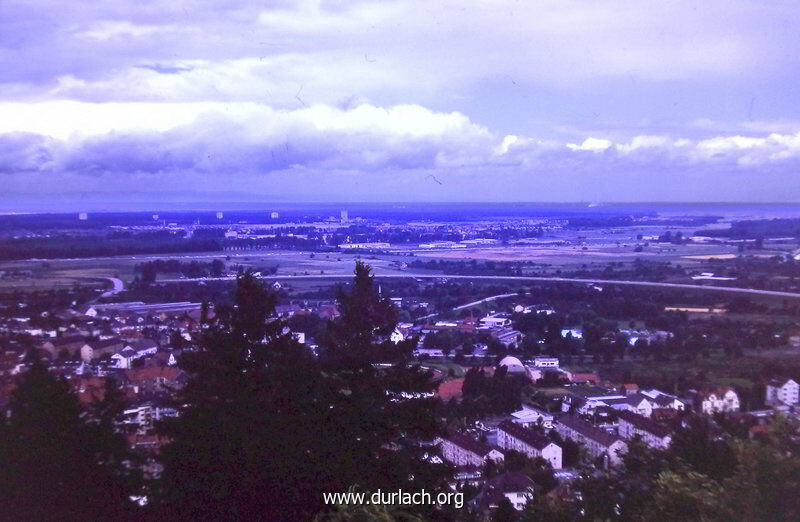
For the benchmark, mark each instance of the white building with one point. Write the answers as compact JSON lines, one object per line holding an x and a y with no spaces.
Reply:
{"x":396,"y":336}
{"x":653,"y":434}
{"x":511,"y":436}
{"x":723,"y":399}
{"x":528,"y":416}
{"x":598,"y":443}
{"x":462,"y":450}
{"x":546,"y":362}
{"x":783,"y":392}
{"x":664,"y":400}
{"x":514,"y":486}
{"x":512,"y":364}
{"x":493,"y":321}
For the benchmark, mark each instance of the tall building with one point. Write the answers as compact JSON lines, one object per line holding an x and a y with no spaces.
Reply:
{"x":343,"y":215}
{"x":219,"y":215}
{"x":83,"y":216}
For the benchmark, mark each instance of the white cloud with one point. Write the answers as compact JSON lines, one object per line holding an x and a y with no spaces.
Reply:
{"x":106,"y":30}
{"x":213,"y":138}
{"x":592,"y":144}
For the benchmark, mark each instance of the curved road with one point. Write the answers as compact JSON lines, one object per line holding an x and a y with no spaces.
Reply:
{"x":117,"y":286}
{"x":710,"y":288}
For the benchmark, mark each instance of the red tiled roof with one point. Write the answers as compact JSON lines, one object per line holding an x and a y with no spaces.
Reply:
{"x":153,"y":372}
{"x":449,"y":389}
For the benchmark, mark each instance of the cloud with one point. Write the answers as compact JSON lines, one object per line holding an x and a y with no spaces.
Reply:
{"x":390,"y":149}
{"x":363,"y":47}
{"x":226,"y":138}
{"x":501,"y":100}
{"x":22,"y":152}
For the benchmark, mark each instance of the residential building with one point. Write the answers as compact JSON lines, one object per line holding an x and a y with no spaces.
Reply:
{"x":640,"y":404}
{"x":463,"y":450}
{"x":69,"y":345}
{"x":512,"y":436}
{"x":722,"y":399}
{"x":515,"y":486}
{"x":661,"y":400}
{"x":653,"y":434}
{"x":141,"y":419}
{"x":396,"y":336}
{"x":101,"y":348}
{"x":782,"y":392}
{"x":597,"y":442}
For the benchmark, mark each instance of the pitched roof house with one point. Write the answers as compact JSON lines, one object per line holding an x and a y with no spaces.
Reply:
{"x":515,"y":486}
{"x":101,"y":348}
{"x":783,"y":392}
{"x":511,"y":436}
{"x":652,"y":433}
{"x":597,"y":442}
{"x":463,"y":450}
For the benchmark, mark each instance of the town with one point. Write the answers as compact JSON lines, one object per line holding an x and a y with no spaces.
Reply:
{"x":399,"y":261}
{"x":537,"y":391}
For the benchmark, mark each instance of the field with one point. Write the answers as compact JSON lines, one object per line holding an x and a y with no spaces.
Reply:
{"x":67,"y":272}
{"x":744,"y":371}
{"x":566,"y":255}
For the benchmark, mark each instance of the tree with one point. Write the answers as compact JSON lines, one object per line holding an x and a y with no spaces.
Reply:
{"x":149,"y":272}
{"x":266,"y":428}
{"x":689,"y":496}
{"x":698,"y":447}
{"x":538,"y":469}
{"x":58,"y":462}
{"x":505,"y":511}
{"x":217,"y":268}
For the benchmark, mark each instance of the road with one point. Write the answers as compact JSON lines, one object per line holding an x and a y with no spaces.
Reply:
{"x":118,"y":286}
{"x":708,"y":288}
{"x":473,"y":303}
{"x":484,"y":300}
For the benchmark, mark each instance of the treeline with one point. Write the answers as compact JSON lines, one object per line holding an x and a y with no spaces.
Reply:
{"x":279,"y":241}
{"x":368,"y":234}
{"x":600,"y":221}
{"x":471,"y":267}
{"x":755,"y":229}
{"x":148,"y":271}
{"x":101,"y":246}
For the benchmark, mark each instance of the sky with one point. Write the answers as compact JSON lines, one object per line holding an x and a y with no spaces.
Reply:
{"x":407,"y":100}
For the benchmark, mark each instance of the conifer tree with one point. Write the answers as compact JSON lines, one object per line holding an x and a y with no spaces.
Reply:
{"x":58,"y":462}
{"x":266,"y":428}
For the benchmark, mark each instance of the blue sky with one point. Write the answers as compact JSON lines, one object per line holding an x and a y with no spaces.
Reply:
{"x":372,"y":101}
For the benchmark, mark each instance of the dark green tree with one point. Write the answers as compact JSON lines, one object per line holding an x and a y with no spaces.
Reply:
{"x":266,"y":428}
{"x":58,"y":462}
{"x":505,"y":512}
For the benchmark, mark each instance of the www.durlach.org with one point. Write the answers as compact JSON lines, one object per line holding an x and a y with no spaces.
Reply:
{"x":395,"y":498}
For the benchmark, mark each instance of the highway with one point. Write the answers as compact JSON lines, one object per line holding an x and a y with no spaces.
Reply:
{"x":473,"y":303}
{"x":651,"y":284}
